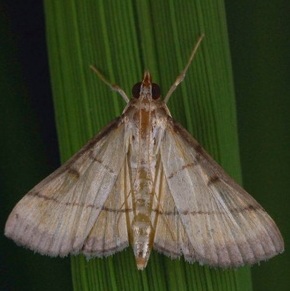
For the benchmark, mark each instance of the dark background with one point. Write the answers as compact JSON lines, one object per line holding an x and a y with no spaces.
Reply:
{"x":260,"y":43}
{"x":28,"y":136}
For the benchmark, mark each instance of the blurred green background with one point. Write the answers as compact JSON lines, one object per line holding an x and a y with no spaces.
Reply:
{"x":259,"y":42}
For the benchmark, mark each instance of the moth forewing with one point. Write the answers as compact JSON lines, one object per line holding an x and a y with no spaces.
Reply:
{"x":224,"y":224}
{"x":146,"y":182}
{"x":57,"y":215}
{"x":110,"y":232}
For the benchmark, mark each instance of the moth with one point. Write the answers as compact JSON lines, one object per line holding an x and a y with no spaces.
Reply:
{"x":145,"y":181}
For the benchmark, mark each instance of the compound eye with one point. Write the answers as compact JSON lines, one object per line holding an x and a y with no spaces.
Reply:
{"x":155,"y":91}
{"x":136,"y":90}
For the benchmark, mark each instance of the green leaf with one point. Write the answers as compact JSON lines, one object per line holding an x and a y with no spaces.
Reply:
{"x":122,"y":38}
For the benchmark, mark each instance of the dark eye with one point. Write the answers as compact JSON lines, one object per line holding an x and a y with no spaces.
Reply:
{"x":136,"y":90}
{"x":155,"y":91}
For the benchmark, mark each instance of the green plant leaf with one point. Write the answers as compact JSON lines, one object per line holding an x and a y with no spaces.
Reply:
{"x":122,"y":39}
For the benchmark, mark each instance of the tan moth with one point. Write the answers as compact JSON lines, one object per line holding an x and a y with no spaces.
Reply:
{"x":144,"y":181}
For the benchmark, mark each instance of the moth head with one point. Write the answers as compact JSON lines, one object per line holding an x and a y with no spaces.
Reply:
{"x":146,"y":88}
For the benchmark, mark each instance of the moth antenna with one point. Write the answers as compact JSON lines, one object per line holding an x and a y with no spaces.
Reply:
{"x":181,"y":77}
{"x":113,"y":87}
